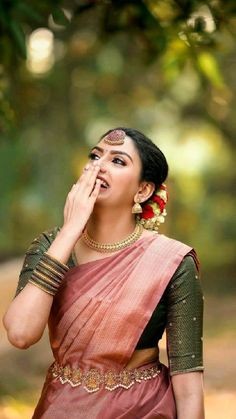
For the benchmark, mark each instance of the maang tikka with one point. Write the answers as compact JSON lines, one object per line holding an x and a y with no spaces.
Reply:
{"x":115,"y":137}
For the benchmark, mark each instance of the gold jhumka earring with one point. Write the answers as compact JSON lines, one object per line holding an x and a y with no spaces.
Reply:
{"x":136,"y":209}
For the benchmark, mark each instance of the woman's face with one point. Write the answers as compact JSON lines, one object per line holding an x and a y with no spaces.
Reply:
{"x":120,"y":168}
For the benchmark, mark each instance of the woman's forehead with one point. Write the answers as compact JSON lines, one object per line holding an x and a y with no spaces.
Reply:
{"x":127,"y":146}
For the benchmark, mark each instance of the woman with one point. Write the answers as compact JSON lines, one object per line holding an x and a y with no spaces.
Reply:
{"x":107,"y":287}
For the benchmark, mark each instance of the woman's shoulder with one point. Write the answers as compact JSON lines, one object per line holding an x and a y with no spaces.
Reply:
{"x":50,"y":233}
{"x":186,"y":276}
{"x":189,"y":259}
{"x":46,"y":237}
{"x":170,"y":246}
{"x":169,"y":239}
{"x":187,"y":264}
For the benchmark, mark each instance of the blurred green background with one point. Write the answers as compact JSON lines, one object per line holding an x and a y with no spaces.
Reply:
{"x":71,"y":70}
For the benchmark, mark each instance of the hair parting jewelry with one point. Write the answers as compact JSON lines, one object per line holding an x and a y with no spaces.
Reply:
{"x":48,"y":274}
{"x":113,"y":247}
{"x":115,"y":137}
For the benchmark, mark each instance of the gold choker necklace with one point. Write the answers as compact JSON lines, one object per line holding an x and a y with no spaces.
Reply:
{"x":113,"y":247}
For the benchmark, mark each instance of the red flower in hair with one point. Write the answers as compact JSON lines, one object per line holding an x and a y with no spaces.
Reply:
{"x":147,"y":212}
{"x":159,"y":201}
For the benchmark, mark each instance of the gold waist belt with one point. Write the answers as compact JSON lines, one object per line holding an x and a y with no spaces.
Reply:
{"x":93,"y":379}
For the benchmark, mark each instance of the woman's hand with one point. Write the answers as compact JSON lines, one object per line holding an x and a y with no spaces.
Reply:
{"x":81,"y":199}
{"x":27,"y":315}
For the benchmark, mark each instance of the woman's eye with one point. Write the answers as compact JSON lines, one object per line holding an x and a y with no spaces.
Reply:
{"x":116,"y":160}
{"x":119,"y":161}
{"x":93,"y":156}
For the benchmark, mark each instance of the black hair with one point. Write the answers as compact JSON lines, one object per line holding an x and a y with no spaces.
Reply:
{"x":154,"y":164}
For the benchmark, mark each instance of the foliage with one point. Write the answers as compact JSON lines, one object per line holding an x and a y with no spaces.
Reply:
{"x":175,"y":30}
{"x":166,"y":67}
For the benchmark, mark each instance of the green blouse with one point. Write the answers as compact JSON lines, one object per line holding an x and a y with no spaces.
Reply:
{"x":180,"y":310}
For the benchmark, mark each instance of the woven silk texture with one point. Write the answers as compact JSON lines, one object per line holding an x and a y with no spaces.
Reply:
{"x":180,"y":310}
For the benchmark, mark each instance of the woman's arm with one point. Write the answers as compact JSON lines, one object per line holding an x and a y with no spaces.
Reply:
{"x":184,"y":339}
{"x":188,"y":392}
{"x":27,"y":315}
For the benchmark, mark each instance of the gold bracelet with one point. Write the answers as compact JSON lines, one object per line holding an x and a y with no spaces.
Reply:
{"x":42,"y":287}
{"x":43,"y":282}
{"x":47,"y":279}
{"x":63,"y":265}
{"x":54,"y":276}
{"x":54,"y":265}
{"x":50,"y":268}
{"x":48,"y":274}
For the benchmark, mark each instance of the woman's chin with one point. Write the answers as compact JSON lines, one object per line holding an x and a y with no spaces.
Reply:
{"x":103,"y":191}
{"x":102,"y":195}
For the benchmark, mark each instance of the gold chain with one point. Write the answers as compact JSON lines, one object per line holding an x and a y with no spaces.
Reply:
{"x":113,"y":247}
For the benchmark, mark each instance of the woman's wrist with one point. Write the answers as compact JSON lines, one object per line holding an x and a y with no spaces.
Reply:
{"x":63,"y":244}
{"x":70,"y":233}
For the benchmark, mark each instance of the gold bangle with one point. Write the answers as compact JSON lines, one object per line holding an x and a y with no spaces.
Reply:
{"x":57,"y":261}
{"x":51,"y":269}
{"x":40,"y":268}
{"x":35,"y":278}
{"x":48,"y":274}
{"x":53,"y":264}
{"x":46,"y":278}
{"x":42,"y":288}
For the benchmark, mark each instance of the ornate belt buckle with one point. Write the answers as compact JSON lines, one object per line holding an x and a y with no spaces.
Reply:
{"x":92,"y":380}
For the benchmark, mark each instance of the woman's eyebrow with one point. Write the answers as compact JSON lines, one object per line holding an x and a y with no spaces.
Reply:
{"x":113,"y":152}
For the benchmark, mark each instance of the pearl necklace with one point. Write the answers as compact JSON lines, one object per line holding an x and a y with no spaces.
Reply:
{"x":113,"y":247}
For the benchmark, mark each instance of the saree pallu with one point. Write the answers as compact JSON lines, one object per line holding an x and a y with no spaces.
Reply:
{"x":96,"y":320}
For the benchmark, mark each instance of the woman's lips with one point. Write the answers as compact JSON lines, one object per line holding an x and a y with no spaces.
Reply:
{"x":104,"y":183}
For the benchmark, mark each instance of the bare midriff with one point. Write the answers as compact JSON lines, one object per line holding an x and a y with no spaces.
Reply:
{"x":142,"y":356}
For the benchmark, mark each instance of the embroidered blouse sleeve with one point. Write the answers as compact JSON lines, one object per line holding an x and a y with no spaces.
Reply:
{"x":32,"y":256}
{"x":184,"y":319}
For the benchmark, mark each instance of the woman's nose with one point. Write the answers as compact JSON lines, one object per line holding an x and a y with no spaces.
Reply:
{"x":102,"y":164}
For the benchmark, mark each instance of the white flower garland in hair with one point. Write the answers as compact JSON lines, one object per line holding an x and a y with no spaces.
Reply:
{"x":154,"y":211}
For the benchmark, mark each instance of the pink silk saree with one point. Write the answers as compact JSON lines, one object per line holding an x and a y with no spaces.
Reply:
{"x":96,"y":320}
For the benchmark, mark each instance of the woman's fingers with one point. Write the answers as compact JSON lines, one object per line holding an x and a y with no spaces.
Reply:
{"x":95,"y":192}
{"x":85,"y":176}
{"x":84,"y":186}
{"x":88,"y":182}
{"x":85,"y":172}
{"x":82,"y":196}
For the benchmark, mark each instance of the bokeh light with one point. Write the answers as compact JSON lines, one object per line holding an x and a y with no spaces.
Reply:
{"x":40,"y":51}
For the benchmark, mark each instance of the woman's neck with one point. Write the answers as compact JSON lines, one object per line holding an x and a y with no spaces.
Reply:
{"x":110,"y":228}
